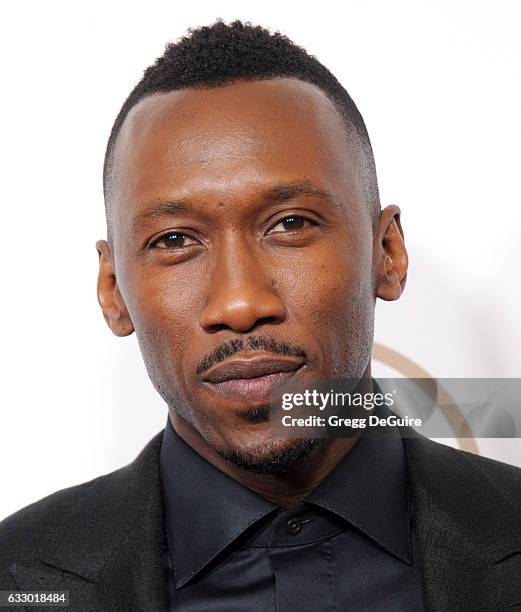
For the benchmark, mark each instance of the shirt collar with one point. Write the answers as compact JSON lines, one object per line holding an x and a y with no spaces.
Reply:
{"x":206,"y":510}
{"x":369,"y":489}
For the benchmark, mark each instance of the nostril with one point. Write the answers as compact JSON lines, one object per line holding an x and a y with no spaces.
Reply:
{"x":267,"y":321}
{"x":217,"y":327}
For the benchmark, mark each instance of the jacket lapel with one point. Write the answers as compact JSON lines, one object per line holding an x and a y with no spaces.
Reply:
{"x":467,"y":535}
{"x":107,"y":551}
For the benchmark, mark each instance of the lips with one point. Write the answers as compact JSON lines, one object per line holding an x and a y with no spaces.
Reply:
{"x":251,"y":379}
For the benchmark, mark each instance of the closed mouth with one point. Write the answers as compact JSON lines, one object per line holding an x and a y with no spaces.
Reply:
{"x":251,"y":379}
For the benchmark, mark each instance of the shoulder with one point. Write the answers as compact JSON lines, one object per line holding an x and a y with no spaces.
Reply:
{"x":443,"y":468}
{"x":23,"y":533}
{"x":88,"y":506}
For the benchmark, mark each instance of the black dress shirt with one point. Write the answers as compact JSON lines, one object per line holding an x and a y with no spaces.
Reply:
{"x":347,"y":546}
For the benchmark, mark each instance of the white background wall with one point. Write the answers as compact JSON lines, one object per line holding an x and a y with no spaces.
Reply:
{"x":439,"y":85}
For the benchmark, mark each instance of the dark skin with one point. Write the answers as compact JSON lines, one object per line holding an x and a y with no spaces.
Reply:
{"x":237,"y":213}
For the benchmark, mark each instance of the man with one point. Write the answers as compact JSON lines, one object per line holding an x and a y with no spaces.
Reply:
{"x":246,"y":247}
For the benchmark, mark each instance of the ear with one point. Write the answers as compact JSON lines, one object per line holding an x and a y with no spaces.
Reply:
{"x":109,"y":297}
{"x":390,"y":255}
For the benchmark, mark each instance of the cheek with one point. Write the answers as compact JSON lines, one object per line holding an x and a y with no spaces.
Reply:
{"x":162,"y":311}
{"x":329,"y":296}
{"x":326,"y":288}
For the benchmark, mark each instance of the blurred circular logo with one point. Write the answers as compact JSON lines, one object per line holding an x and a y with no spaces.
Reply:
{"x":410,"y":369}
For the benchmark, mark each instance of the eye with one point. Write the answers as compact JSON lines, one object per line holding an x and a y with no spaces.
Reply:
{"x":172,"y":240}
{"x":292,"y":223}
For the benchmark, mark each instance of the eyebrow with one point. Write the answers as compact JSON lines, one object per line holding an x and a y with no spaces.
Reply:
{"x":278,"y":193}
{"x":281,"y":193}
{"x":160,"y":209}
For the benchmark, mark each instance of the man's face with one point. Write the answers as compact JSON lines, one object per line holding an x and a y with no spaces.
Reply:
{"x":242,"y":251}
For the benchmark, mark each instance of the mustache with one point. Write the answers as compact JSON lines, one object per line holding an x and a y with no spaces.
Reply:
{"x":248,"y":345}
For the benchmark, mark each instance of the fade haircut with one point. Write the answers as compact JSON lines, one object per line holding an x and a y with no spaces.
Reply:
{"x":217,"y":55}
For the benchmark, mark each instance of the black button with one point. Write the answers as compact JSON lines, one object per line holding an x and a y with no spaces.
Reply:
{"x":294,"y":526}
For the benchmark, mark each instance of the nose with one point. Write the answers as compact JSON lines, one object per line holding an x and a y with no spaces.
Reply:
{"x":241,"y":295}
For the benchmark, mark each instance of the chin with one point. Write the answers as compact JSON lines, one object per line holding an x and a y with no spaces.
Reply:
{"x":272,"y":456}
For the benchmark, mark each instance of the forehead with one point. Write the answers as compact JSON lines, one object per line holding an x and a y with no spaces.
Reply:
{"x":243,"y":133}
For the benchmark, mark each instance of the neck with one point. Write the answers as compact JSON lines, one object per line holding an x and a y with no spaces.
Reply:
{"x":285,"y":489}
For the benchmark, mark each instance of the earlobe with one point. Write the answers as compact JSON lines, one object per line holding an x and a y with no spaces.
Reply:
{"x":390,"y":255}
{"x":110,"y":299}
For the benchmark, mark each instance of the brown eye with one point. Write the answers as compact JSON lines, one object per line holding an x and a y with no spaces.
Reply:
{"x":172,"y":240}
{"x":291,"y":224}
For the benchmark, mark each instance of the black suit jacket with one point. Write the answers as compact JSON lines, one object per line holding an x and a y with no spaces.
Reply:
{"x":102,"y":540}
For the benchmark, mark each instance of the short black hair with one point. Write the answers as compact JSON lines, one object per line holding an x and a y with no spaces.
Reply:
{"x":216,"y":55}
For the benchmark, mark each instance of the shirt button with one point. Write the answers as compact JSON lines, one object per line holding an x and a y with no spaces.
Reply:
{"x":293,"y":526}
